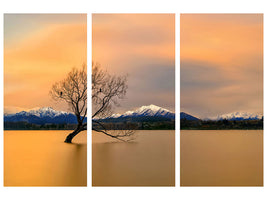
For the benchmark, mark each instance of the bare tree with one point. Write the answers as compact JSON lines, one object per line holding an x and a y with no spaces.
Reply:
{"x":73,"y":90}
{"x":107,"y":90}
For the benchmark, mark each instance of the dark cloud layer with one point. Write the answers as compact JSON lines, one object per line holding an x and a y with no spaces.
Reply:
{"x":208,"y":90}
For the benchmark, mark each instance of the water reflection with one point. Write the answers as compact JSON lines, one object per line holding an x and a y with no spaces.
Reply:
{"x":148,"y":161}
{"x":41,"y":158}
{"x":222,"y":158}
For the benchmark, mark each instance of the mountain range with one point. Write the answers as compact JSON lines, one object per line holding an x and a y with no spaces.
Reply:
{"x":238,"y":116}
{"x":40,"y":116}
{"x":186,"y":116}
{"x":48,"y":115}
{"x":143,"y":113}
{"x":147,"y":111}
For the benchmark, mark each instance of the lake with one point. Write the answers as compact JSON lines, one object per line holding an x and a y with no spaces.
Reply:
{"x":221,"y":158}
{"x":41,"y":158}
{"x":148,"y":161}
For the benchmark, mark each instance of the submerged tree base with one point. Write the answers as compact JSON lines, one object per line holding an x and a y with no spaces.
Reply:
{"x":70,"y":137}
{"x":75,"y":132}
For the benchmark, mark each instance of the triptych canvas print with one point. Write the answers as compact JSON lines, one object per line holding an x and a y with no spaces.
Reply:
{"x":129,"y":102}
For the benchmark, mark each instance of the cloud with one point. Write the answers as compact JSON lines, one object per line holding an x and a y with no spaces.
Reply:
{"x":225,"y":39}
{"x":40,"y":59}
{"x":142,"y":46}
{"x":120,"y":39}
{"x":221,"y":63}
{"x":208,"y":90}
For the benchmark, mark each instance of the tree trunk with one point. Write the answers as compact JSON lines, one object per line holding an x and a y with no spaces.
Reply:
{"x":74,"y":133}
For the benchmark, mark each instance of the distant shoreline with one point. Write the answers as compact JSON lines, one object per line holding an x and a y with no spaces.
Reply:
{"x":184,"y":129}
{"x":221,"y":125}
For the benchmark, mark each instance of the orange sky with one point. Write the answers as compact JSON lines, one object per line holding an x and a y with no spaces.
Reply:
{"x":221,"y":63}
{"x":142,"y":46}
{"x":38,"y":51}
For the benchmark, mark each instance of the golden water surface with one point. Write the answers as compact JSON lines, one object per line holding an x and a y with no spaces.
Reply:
{"x":148,"y":161}
{"x":41,"y":158}
{"x":222,"y":158}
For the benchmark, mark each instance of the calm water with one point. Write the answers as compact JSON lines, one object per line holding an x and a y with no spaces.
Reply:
{"x":222,"y":158}
{"x":149,"y":161}
{"x":41,"y":158}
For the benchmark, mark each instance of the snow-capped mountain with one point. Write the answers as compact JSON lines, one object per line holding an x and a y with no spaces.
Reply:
{"x":40,"y":112}
{"x":42,"y":116}
{"x":239,"y":116}
{"x":146,"y":111}
{"x":186,"y":116}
